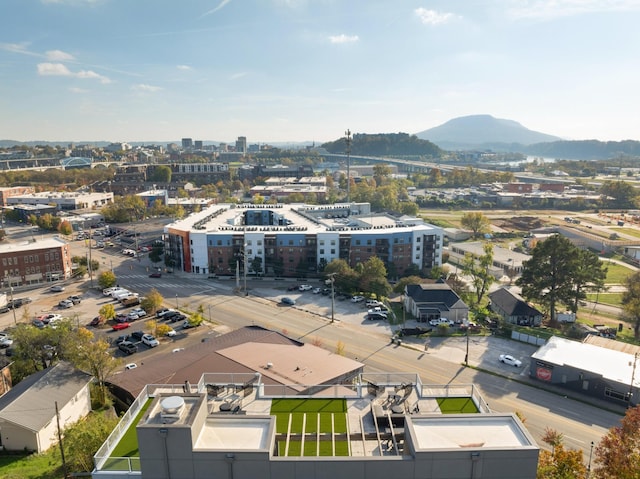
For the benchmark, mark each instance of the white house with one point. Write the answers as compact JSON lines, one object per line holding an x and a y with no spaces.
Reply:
{"x":28,"y":410}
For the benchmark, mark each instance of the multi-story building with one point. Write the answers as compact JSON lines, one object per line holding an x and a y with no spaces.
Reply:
{"x":64,"y":201}
{"x":34,"y":262}
{"x":312,"y":188}
{"x":295,"y":240}
{"x":378,"y":426}
{"x":187,"y":143}
{"x":241,"y":144}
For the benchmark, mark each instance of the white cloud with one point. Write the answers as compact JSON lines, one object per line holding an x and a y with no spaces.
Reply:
{"x":342,"y":38}
{"x":146,"y":88}
{"x":58,"y":69}
{"x":78,"y":90}
{"x":545,"y":9}
{"x":21,"y":48}
{"x":59,"y":56}
{"x":184,"y":67}
{"x":214,"y":10}
{"x":235,"y":76}
{"x":432,"y":17}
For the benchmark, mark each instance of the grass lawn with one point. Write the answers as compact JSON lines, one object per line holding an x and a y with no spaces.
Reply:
{"x":616,"y":273}
{"x":457,"y":406}
{"x":626,"y":231}
{"x":128,"y":445}
{"x":614,"y":299}
{"x":47,"y":465}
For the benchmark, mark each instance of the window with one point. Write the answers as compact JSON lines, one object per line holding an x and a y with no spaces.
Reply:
{"x":321,"y":242}
{"x":333,"y":251}
{"x":259,"y":242}
{"x":358,"y":242}
{"x":219,"y":242}
{"x":369,"y":242}
{"x":321,"y":250}
{"x":418,"y":239}
{"x":333,"y":242}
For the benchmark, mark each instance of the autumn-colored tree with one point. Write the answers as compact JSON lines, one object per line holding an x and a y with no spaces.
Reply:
{"x":617,"y":456}
{"x":476,"y":222}
{"x":559,"y":463}
{"x":152,"y":301}
{"x":107,"y":279}
{"x":107,"y":312}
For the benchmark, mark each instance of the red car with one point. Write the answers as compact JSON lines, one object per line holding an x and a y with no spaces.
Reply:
{"x":155,"y":275}
{"x":120,"y":326}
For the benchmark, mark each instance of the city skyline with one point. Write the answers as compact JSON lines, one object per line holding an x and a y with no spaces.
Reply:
{"x":302,"y":70}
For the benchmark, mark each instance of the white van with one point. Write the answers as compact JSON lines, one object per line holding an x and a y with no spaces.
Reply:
{"x":116,"y":292}
{"x":126,"y":294}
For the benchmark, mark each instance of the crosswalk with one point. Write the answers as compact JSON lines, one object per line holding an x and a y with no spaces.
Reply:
{"x":143,"y":281}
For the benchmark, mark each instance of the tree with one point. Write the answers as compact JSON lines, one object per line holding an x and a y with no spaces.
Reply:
{"x":107,"y":312}
{"x":65,"y":228}
{"x":162,"y":174}
{"x":631,"y":301}
{"x":590,"y":275}
{"x":372,"y":275}
{"x":476,"y":222}
{"x":196,"y":319}
{"x":346,"y":279}
{"x":82,"y":439}
{"x":560,"y":463}
{"x":480,"y":271}
{"x":96,"y":358}
{"x":107,"y":279}
{"x":617,"y":455}
{"x":256,"y":265}
{"x":547,"y":278}
{"x":404,"y":282}
{"x":152,"y":301}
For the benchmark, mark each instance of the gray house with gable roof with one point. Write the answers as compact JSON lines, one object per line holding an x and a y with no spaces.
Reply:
{"x":513,"y":308}
{"x":28,"y":410}
{"x":429,"y":301}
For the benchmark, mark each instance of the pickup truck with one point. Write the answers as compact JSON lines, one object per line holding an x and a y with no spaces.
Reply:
{"x":438,"y":322}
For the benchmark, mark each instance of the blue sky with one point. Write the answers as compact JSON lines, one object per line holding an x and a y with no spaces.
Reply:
{"x":306,"y":70}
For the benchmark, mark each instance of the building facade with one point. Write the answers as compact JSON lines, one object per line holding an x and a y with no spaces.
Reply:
{"x":296,"y":240}
{"x":34,"y":262}
{"x":64,"y":201}
{"x":9,"y":191}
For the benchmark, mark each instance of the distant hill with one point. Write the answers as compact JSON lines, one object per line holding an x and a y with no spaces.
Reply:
{"x":483,"y":132}
{"x":385,"y":144}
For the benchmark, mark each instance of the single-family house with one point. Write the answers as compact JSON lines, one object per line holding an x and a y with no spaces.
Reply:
{"x":513,"y":308}
{"x":429,"y":301}
{"x":28,"y":411}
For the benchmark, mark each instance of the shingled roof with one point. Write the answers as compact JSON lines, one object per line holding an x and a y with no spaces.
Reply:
{"x":433,"y":293}
{"x":512,"y":303}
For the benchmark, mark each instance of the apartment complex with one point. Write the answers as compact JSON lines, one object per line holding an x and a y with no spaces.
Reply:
{"x":376,"y":427}
{"x":296,"y":240}
{"x":9,"y":191}
{"x":34,"y":262}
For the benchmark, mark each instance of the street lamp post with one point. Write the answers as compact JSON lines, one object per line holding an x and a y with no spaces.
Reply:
{"x":590,"y":455}
{"x":13,"y":306}
{"x":633,"y":377}
{"x":466,"y":356}
{"x":348,"y":134}
{"x":176,"y":300}
{"x":331,"y":281}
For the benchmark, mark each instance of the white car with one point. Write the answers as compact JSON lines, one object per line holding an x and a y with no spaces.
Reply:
{"x":131,"y":316}
{"x":441,"y":321}
{"x":150,"y":341}
{"x":171,"y":333}
{"x":108,"y":291}
{"x":65,"y":303}
{"x":357,"y":299}
{"x":131,"y":366}
{"x":317,"y":290}
{"x":510,"y":360}
{"x":305,"y":287}
{"x":5,"y":341}
{"x":372,"y":303}
{"x":140,"y":312}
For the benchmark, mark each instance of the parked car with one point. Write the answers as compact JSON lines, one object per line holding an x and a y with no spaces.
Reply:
{"x":140,"y":312}
{"x":65,"y":303}
{"x":47,"y":318}
{"x":305,"y":287}
{"x":120,"y":326}
{"x":38,"y":324}
{"x":326,"y":291}
{"x":293,"y":287}
{"x":56,"y":288}
{"x":177,"y":317}
{"x":164,"y":312}
{"x":155,"y":275}
{"x":121,"y":339}
{"x":108,"y":291}
{"x":288,"y":301}
{"x":137,"y":336}
{"x":372,"y":303}
{"x":187,"y":325}
{"x":376,"y":315}
{"x":132,"y":316}
{"x":131,"y":366}
{"x":510,"y":360}
{"x":5,"y":341}
{"x":127,"y":347}
{"x":441,"y":321}
{"x":75,"y":299}
{"x":357,"y":299}
{"x":150,"y":341}
{"x":171,"y":333}
{"x":317,"y":290}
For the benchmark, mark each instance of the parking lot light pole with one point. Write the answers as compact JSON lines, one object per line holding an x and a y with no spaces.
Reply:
{"x":176,"y":300}
{"x":332,"y":280}
{"x":13,"y":307}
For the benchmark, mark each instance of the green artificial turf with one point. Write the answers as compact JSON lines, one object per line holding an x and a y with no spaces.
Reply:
{"x":298,"y":408}
{"x":457,"y":406}
{"x":128,"y":445}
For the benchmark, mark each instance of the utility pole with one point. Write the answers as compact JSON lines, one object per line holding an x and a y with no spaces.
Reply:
{"x":348,"y":133}
{"x":332,"y":280}
{"x":64,"y":462}
{"x":244,"y":257}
